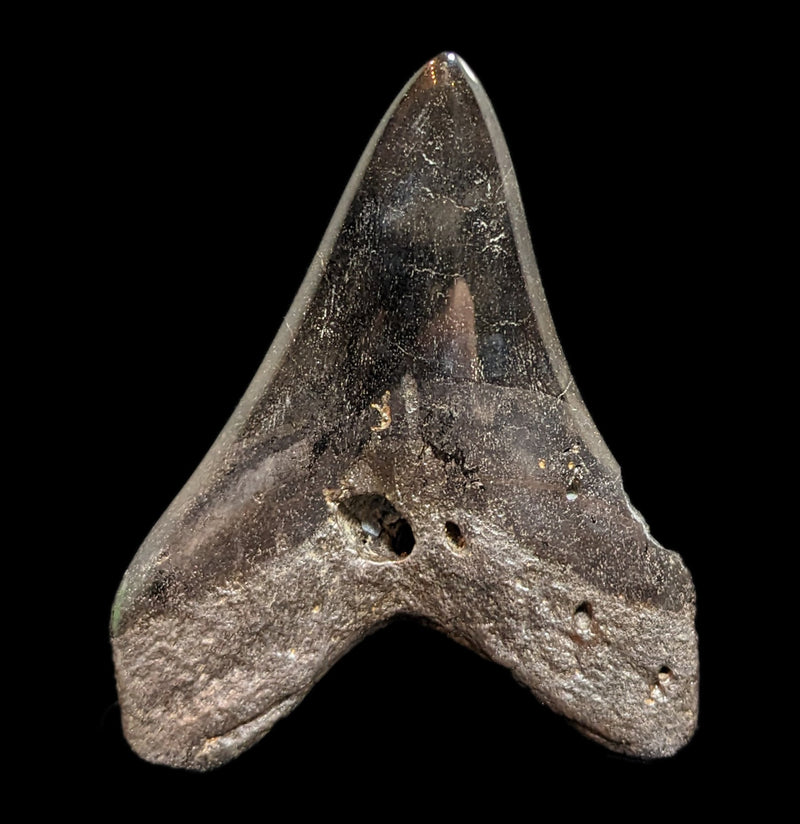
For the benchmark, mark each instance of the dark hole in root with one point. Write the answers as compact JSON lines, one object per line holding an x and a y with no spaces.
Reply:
{"x":454,"y":534}
{"x":401,"y":538}
{"x":584,"y":607}
{"x":384,"y":530}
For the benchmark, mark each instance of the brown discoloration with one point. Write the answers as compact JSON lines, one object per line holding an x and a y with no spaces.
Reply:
{"x":385,"y":411}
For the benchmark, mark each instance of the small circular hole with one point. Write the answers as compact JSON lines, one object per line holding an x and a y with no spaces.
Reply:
{"x":454,"y":535}
{"x":382,"y":533}
{"x":582,"y":619}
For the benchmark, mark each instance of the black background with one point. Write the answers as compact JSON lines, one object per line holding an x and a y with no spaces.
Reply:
{"x":200,"y":165}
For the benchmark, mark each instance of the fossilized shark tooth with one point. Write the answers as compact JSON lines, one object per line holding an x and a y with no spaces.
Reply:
{"x":413,"y":444}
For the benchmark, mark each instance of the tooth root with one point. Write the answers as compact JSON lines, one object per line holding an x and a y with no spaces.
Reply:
{"x":412,"y":444}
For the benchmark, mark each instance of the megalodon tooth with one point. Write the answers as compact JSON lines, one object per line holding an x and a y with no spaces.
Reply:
{"x":412,"y":445}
